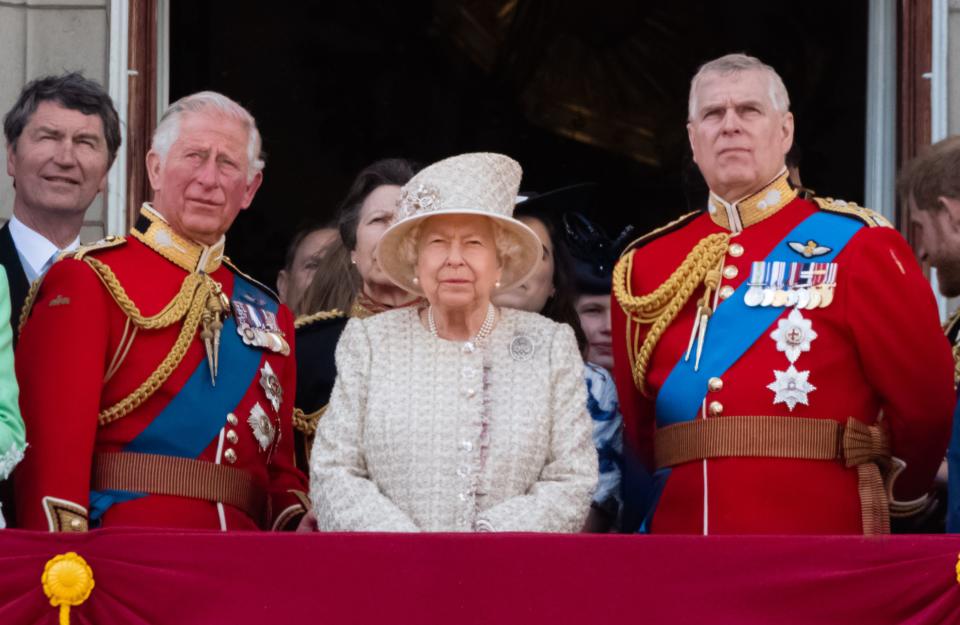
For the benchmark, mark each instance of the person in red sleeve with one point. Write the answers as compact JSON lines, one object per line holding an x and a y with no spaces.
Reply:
{"x":930,"y":187}
{"x":779,"y":360}
{"x":157,"y":381}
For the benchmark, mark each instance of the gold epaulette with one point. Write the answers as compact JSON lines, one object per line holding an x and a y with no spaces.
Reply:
{"x":102,"y":244}
{"x":323,"y":315}
{"x":229,"y":263}
{"x":870,"y":217}
{"x":659,"y":232}
{"x":79,"y":253}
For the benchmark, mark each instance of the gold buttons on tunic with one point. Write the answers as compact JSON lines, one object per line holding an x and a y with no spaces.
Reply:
{"x":715,"y":408}
{"x":730,"y":272}
{"x":232,"y":419}
{"x":232,"y":436}
{"x":726,"y":291}
{"x":715,"y":384}
{"x":230,"y":455}
{"x":736,"y":250}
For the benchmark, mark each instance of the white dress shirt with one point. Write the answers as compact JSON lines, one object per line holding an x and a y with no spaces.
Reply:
{"x":36,"y":252}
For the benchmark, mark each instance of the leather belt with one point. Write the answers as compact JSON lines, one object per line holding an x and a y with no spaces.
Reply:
{"x":180,"y":477}
{"x":855,"y":444}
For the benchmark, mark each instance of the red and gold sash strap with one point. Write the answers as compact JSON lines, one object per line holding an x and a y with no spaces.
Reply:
{"x":180,"y":477}
{"x":856,"y":444}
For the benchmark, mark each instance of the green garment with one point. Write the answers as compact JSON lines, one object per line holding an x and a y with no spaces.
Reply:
{"x":12,"y":434}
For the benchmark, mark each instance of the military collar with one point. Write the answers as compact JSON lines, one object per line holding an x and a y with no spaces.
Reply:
{"x":153,"y":231}
{"x":735,"y":216}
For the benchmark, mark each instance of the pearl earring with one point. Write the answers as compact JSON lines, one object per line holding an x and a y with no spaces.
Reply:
{"x":416,"y":280}
{"x":496,"y":284}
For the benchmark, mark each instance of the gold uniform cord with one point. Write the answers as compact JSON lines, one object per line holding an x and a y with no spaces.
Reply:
{"x":660,"y":307}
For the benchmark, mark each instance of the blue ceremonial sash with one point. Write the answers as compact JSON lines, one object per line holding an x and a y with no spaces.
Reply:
{"x":953,"y":468}
{"x":734,"y":327}
{"x":194,"y":417}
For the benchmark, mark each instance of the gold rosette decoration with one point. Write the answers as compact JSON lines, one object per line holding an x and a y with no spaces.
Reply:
{"x":958,"y":569}
{"x":67,"y":580}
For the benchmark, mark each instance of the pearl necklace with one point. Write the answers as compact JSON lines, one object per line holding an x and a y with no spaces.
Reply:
{"x":485,"y":328}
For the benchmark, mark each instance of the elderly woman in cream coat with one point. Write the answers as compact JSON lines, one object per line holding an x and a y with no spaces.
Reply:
{"x":458,"y":416}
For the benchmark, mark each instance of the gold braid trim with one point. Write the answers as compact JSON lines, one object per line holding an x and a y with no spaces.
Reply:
{"x":169,"y":364}
{"x":187,"y":305}
{"x":28,"y":304}
{"x":173,"y":312}
{"x":307,"y":422}
{"x":659,"y":308}
{"x":323,"y":315}
{"x":956,"y":365}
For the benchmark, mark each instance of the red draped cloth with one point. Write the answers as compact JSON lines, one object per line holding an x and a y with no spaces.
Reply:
{"x":179,"y":578}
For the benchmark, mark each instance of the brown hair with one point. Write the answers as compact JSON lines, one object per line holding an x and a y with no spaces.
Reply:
{"x":935,"y":173}
{"x":562,"y":305}
{"x":389,"y":171}
{"x":335,"y":284}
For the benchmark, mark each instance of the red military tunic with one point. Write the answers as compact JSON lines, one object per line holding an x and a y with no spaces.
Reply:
{"x":878,"y":348}
{"x":81,"y":353}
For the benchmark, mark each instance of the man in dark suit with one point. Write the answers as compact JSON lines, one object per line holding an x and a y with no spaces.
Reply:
{"x":62,"y":135}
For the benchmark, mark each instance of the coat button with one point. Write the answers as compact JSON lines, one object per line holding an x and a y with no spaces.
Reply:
{"x":230,"y":455}
{"x":736,"y":250}
{"x":232,"y":437}
{"x":715,"y":384}
{"x":715,"y":408}
{"x":730,"y":272}
{"x":726,"y":291}
{"x":232,"y":419}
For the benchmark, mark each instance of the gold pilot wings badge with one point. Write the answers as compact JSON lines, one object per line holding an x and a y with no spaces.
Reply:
{"x":809,"y":249}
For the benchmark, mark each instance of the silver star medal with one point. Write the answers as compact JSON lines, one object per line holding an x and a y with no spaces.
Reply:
{"x":791,"y":387}
{"x":271,"y":386}
{"x":262,"y":427}
{"x":793,"y":335}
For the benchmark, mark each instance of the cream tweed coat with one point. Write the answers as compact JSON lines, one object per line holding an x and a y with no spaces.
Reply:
{"x":424,"y":434}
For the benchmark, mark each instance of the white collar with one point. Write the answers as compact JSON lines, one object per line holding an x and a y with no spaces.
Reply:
{"x":33,"y":247}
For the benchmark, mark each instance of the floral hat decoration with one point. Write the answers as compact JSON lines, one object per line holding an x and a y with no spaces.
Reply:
{"x":481,"y":183}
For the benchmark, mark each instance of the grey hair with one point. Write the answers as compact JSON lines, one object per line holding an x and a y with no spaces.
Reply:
{"x":168,"y":129}
{"x":506,"y":244}
{"x":735,"y":64}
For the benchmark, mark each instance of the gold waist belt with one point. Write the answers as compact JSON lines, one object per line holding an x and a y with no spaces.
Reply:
{"x":179,"y":477}
{"x":855,"y":444}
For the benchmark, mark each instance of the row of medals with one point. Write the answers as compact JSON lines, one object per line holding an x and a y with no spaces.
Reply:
{"x":806,"y":297}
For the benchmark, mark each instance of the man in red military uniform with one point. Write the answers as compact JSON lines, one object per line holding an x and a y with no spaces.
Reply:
{"x":758,"y":343}
{"x":156,"y":380}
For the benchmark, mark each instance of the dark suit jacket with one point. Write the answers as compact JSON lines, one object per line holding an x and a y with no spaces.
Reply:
{"x":16,"y":278}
